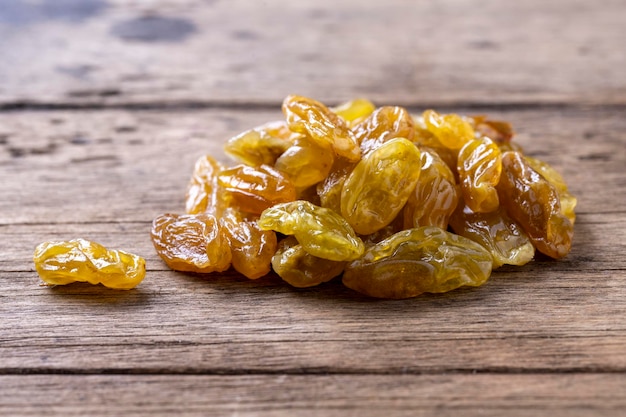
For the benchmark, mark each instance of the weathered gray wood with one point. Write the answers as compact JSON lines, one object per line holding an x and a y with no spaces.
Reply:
{"x":114,"y":52}
{"x":568,"y":395}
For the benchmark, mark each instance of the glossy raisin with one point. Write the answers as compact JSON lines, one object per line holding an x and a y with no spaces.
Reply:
{"x":479,"y":166}
{"x":435,"y":196}
{"x":203,"y":194}
{"x":380,"y":185}
{"x":382,"y":125}
{"x":414,"y":261}
{"x":497,"y":232}
{"x":255,"y":189}
{"x":307,"y":116}
{"x":306,"y":162}
{"x":252,"y":249}
{"x":322,"y":232}
{"x":80,"y":260}
{"x":193,"y":243}
{"x":301,"y":269}
{"x":534,"y":204}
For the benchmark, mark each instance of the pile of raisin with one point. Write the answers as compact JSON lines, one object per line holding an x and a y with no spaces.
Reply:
{"x":394,"y":203}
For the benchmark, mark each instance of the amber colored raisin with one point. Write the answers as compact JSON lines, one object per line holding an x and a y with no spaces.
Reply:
{"x":534,"y":204}
{"x":354,"y":111}
{"x":193,"y":243}
{"x":435,"y":196}
{"x":306,"y":162}
{"x":380,"y":185}
{"x":203,"y":191}
{"x":252,"y":248}
{"x":497,"y":232}
{"x":451,"y":130}
{"x":307,"y":116}
{"x":414,"y":261}
{"x":322,"y":232}
{"x":80,"y":260}
{"x":299,"y":268}
{"x":567,"y":200}
{"x":382,"y":125}
{"x":255,"y":189}
{"x":256,"y":147}
{"x":499,"y":131}
{"x":329,"y":190}
{"x":479,"y":166}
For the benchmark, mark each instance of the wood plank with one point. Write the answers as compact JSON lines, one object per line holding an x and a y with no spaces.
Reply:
{"x":543,"y":320}
{"x":104,"y":174}
{"x":567,"y":395}
{"x":598,"y":246}
{"x":114,"y":52}
{"x":137,"y":163}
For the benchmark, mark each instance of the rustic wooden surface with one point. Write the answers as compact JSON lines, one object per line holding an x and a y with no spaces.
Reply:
{"x":104,"y":107}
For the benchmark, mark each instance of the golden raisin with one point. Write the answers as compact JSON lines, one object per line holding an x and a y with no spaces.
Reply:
{"x":79,"y":260}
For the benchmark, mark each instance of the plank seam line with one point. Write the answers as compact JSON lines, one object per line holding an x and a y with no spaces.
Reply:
{"x":259,"y":106}
{"x":311,"y":371}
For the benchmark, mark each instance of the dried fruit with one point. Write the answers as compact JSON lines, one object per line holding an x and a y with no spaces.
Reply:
{"x":255,"y":189}
{"x":497,"y":232}
{"x":370,"y":193}
{"x":382,"y":125}
{"x":322,"y":232}
{"x":79,"y":260}
{"x":479,"y":166}
{"x":306,"y":162}
{"x":203,"y":191}
{"x":308,"y":116}
{"x":301,"y":269}
{"x":435,"y":196}
{"x":380,"y":185}
{"x":193,"y":243}
{"x":534,"y":203}
{"x":252,"y":249}
{"x":414,"y":261}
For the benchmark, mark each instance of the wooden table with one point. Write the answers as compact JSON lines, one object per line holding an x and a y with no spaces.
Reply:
{"x":105,"y":106}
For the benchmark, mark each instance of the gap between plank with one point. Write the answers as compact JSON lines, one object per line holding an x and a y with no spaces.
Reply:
{"x":308,"y":371}
{"x":17,"y":106}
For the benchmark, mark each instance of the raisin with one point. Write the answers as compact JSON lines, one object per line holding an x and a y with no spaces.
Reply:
{"x":251,"y":248}
{"x":204,"y":195}
{"x":255,"y":189}
{"x":256,"y":147}
{"x":299,"y":268}
{"x":414,"y":261}
{"x":534,"y":203}
{"x":308,"y":116}
{"x":567,"y":200}
{"x":382,"y":125}
{"x":435,"y":196}
{"x":479,"y":166}
{"x":80,"y":260}
{"x":306,"y":162}
{"x":191,"y":242}
{"x":354,"y":111}
{"x":322,"y":232}
{"x":497,"y":232}
{"x":451,"y":130}
{"x":329,"y":190}
{"x":380,"y":185}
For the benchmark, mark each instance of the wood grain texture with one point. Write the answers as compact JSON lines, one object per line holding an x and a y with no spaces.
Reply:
{"x":137,"y":163}
{"x":205,"y":52}
{"x":106,"y":104}
{"x":312,"y":395}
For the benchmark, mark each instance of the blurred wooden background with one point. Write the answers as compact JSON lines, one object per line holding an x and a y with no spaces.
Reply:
{"x":106,"y":104}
